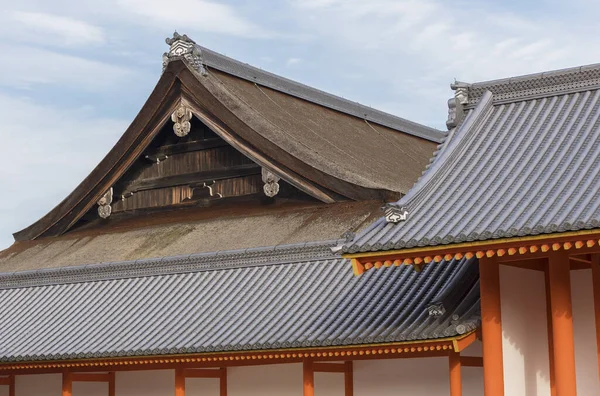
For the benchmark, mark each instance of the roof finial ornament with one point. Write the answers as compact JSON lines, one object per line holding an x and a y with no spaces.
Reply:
{"x":104,"y":208}
{"x":394,"y":213}
{"x":456,"y":111}
{"x":183,"y":47}
{"x":271,"y":187}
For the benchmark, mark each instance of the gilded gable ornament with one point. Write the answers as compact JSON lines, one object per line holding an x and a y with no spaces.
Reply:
{"x":183,"y":48}
{"x":104,"y":208}
{"x":271,"y":187}
{"x":181,"y":118}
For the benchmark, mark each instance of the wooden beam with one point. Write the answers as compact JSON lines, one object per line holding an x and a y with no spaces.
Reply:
{"x":461,"y":344}
{"x":90,"y":377}
{"x":349,"y":379}
{"x":187,"y":147}
{"x":596,"y":284}
{"x":329,"y":367}
{"x":5,"y":380}
{"x":454,"y":361}
{"x":533,"y":264}
{"x":308,"y":378}
{"x":562,"y":324}
{"x":223,"y":381}
{"x":550,"y":336}
{"x":202,"y":373}
{"x":471,"y":361}
{"x":191,"y":178}
{"x":67,"y":384}
{"x":491,"y":327}
{"x":179,"y":382}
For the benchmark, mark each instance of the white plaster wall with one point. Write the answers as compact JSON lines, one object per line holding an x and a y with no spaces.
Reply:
{"x":144,"y":383}
{"x":329,"y":384}
{"x":402,"y":377}
{"x":270,"y":380}
{"x":525,"y":332}
{"x":3,"y":390}
{"x":38,"y":385}
{"x":90,"y":389}
{"x":584,"y":328}
{"x":201,"y":387}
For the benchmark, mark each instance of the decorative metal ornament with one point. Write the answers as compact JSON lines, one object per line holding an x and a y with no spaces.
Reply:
{"x":183,"y":48}
{"x":104,"y":208}
{"x":436,"y":309}
{"x":395,"y":214}
{"x":271,"y":187}
{"x":181,"y":118}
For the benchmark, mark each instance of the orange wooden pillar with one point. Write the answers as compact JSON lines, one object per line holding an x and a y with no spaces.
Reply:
{"x":550,"y":335}
{"x":455,"y":374}
{"x":223,"y":381}
{"x":596,"y":282}
{"x":179,"y":382}
{"x":348,"y":378}
{"x":491,"y":327}
{"x":559,"y":277}
{"x":309,"y":378}
{"x":67,"y":384}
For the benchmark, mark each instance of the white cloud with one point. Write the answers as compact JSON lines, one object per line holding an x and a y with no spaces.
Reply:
{"x":53,"y":29}
{"x":293,"y":61}
{"x":47,"y":152}
{"x":419,"y":46}
{"x":30,"y":66}
{"x":191,"y":15}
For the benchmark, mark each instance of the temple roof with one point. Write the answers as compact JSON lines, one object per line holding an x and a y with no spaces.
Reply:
{"x":192,"y":231}
{"x":329,"y":148}
{"x":524,"y":161}
{"x":290,"y":297}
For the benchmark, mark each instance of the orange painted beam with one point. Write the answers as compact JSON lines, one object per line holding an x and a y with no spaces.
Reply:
{"x":596,"y":282}
{"x":223,"y":381}
{"x":90,"y":377}
{"x":455,"y":375}
{"x":67,"y":384}
{"x":471,"y":361}
{"x":179,"y":382}
{"x":308,"y":378}
{"x":550,"y":336}
{"x":349,"y":379}
{"x":461,"y":344}
{"x":491,"y":327}
{"x":329,"y":367}
{"x":202,"y":373}
{"x":562,"y":324}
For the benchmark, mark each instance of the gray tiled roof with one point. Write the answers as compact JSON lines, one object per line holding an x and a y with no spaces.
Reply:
{"x":515,"y":167}
{"x":290,"y":87}
{"x":213,"y":306}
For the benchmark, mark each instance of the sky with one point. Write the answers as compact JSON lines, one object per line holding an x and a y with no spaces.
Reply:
{"x":73,"y":74}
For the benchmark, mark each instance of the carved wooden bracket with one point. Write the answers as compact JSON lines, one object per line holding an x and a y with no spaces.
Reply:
{"x":271,"y":187}
{"x":104,"y":208}
{"x":181,"y":118}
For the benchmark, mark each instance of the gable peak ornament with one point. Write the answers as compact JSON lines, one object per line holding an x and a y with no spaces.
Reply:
{"x":104,"y":208}
{"x":184,"y":48}
{"x":182,"y":117}
{"x":395,"y":214}
{"x":456,"y":111}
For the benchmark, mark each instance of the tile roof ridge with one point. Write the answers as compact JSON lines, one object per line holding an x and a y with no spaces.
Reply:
{"x":537,"y":85}
{"x":198,"y":262}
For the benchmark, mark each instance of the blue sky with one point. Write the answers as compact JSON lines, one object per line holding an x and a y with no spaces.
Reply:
{"x":74,"y":73}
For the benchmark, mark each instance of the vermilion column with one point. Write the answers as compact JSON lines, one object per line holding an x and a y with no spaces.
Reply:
{"x":559,"y":276}
{"x":67,"y":384}
{"x":596,"y":281}
{"x":491,"y":327}
{"x":455,"y":375}
{"x":179,"y":382}
{"x":309,"y":379}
